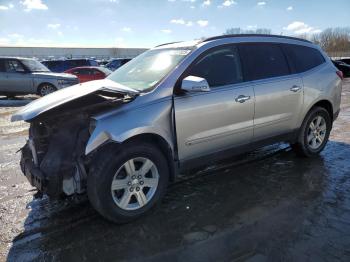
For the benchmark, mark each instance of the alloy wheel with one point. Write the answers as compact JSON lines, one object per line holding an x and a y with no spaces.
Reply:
{"x":316,"y":132}
{"x":46,"y":89}
{"x":135,"y":183}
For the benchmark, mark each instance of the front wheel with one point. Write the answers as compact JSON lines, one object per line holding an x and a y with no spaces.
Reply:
{"x":126,"y":184}
{"x":314,"y":133}
{"x":46,"y":89}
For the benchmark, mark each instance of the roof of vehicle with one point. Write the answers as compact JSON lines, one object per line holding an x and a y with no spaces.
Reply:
{"x":179,"y":44}
{"x":17,"y":57}
{"x":86,"y":67}
{"x":113,"y":59}
{"x":196,"y":42}
{"x":254,"y":35}
{"x":67,"y":59}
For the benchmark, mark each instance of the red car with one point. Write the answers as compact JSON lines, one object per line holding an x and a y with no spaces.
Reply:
{"x":88,"y":73}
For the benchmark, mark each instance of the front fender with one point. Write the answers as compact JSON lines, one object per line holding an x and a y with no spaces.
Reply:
{"x":154,"y":118}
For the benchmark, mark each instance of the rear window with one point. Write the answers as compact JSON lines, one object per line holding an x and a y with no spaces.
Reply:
{"x":262,"y":60}
{"x":303,"y":58}
{"x":2,"y":66}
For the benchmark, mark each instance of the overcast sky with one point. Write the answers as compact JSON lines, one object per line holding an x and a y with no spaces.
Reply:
{"x":145,"y":23}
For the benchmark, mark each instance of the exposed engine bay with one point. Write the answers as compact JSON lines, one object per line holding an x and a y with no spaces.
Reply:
{"x":53,"y":158}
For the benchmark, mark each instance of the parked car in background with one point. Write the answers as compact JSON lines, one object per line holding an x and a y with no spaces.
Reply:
{"x":62,"y":65}
{"x":102,"y":62}
{"x":174,"y":108}
{"x":116,"y":63}
{"x":88,"y":73}
{"x":342,"y":66}
{"x":345,"y":60}
{"x":29,"y":76}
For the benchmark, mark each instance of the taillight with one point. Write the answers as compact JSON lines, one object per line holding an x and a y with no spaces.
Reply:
{"x":340,"y":74}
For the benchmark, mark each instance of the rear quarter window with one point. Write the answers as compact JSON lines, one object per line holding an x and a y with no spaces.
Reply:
{"x":303,"y":58}
{"x":263,"y":60}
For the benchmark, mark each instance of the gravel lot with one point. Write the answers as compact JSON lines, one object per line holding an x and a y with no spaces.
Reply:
{"x":268,"y":205}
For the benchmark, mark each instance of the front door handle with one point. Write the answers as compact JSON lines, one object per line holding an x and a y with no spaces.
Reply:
{"x":241,"y":99}
{"x":295,"y":88}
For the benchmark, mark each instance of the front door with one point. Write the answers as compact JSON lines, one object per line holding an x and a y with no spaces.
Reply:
{"x":222,"y":118}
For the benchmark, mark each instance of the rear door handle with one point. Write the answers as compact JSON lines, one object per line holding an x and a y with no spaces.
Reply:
{"x":241,"y":99}
{"x":295,"y":88}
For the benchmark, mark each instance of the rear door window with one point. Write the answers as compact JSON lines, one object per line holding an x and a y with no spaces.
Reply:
{"x":263,"y":60}
{"x":219,"y":66}
{"x":302,"y":58}
{"x":82,"y":71}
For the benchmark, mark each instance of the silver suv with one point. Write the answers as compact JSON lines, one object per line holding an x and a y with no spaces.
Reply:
{"x":176,"y":107}
{"x":28,"y":76}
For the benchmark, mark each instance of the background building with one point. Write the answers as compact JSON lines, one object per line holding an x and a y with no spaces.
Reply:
{"x":70,"y":52}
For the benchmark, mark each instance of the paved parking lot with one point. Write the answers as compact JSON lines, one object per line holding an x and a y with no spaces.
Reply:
{"x":268,"y":205}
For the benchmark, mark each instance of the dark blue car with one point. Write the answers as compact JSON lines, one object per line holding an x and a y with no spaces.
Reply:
{"x":62,"y":65}
{"x":115,"y":63}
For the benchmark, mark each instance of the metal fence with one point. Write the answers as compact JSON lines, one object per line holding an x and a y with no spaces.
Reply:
{"x":70,"y":52}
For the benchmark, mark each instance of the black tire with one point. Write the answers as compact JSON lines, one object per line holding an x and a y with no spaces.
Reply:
{"x":302,"y":147}
{"x":102,"y":173}
{"x":44,"y":86}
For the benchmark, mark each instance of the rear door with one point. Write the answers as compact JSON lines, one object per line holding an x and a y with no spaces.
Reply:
{"x":17,"y":80}
{"x":210,"y":122}
{"x":278,"y":92}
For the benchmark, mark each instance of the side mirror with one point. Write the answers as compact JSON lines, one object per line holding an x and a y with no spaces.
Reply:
{"x":195,"y":84}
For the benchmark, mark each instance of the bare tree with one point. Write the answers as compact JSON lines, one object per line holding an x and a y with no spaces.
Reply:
{"x":335,"y":41}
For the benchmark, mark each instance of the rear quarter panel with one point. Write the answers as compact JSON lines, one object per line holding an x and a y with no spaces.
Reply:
{"x":321,"y":83}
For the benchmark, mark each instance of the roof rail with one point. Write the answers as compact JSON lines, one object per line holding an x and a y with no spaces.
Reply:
{"x":169,"y":43}
{"x":254,"y":35}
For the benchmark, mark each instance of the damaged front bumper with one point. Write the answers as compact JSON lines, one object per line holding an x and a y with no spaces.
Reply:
{"x":54,"y":159}
{"x":30,"y":169}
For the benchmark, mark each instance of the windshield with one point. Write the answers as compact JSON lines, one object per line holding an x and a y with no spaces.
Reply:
{"x":35,"y":66}
{"x":145,"y":71}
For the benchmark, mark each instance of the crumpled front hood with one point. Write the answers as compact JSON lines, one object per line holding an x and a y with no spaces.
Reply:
{"x":54,"y":75}
{"x":66,"y":95}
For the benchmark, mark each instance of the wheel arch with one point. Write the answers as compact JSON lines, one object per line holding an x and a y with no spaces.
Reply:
{"x":162,"y":144}
{"x":326,"y":104}
{"x":151,"y":138}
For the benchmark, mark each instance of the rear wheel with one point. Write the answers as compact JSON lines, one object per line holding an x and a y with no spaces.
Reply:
{"x":126,"y":184}
{"x":45,"y":89}
{"x":314,"y":133}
